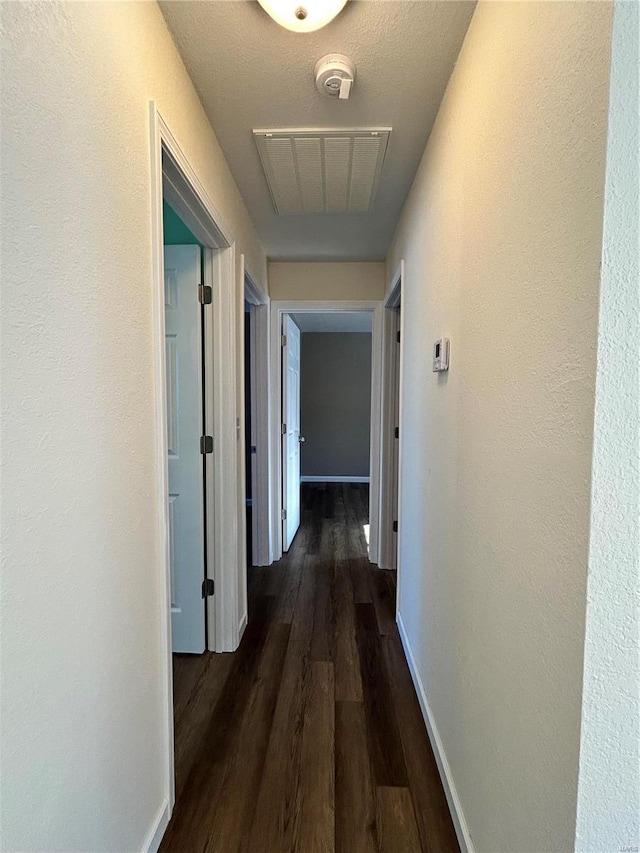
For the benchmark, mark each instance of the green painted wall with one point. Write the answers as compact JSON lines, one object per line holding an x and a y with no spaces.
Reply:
{"x":176,"y":232}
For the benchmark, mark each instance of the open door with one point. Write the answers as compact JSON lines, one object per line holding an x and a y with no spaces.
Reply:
{"x":291,"y":437}
{"x":182,"y":265}
{"x":396,"y":434}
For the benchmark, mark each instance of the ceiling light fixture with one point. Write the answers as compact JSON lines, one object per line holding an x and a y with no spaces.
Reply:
{"x":302,"y":16}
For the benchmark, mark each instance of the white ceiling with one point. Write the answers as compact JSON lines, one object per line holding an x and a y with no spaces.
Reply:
{"x":336,"y":321}
{"x":251,"y":73}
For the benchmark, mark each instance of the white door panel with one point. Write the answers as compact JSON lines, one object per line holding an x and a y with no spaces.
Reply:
{"x":396,"y":441}
{"x":184,"y":428}
{"x":291,"y":436}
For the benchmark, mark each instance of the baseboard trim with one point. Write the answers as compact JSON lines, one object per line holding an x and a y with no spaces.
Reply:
{"x":153,"y":837}
{"x":455,"y":807}
{"x":243,"y":625}
{"x":313,"y":478}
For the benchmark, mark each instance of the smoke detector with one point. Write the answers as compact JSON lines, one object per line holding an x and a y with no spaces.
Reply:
{"x":335,"y":74}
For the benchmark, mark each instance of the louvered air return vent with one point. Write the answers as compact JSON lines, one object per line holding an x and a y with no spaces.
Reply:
{"x":322,"y":171}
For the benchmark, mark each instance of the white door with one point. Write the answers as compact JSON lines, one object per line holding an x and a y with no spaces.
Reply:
{"x":184,"y":428}
{"x":396,"y":435}
{"x":291,"y":430}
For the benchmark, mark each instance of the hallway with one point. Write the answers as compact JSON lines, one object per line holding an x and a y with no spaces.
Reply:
{"x":310,"y":736}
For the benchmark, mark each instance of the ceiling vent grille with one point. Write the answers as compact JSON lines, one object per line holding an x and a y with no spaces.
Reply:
{"x":322,"y":171}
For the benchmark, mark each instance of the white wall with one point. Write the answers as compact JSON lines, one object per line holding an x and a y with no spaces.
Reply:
{"x":502,"y":234}
{"x":83,"y":735}
{"x":609,"y":784}
{"x":350,"y":280}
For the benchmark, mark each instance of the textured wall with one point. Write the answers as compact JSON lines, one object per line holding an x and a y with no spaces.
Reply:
{"x":348,"y":280}
{"x":609,"y":785}
{"x":502,"y":235}
{"x":83,"y":736}
{"x":335,"y":404}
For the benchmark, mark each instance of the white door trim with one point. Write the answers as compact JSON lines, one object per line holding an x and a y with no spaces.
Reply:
{"x":374,"y":464}
{"x":278,"y":308}
{"x":212,"y":277}
{"x":260,"y":424}
{"x":229,"y":573}
{"x":389,"y":554}
{"x":178,"y":182}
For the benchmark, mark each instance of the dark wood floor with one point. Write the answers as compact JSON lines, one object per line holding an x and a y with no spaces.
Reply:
{"x":309,"y":737}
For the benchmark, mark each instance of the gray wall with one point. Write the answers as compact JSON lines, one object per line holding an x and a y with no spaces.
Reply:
{"x":335,"y":403}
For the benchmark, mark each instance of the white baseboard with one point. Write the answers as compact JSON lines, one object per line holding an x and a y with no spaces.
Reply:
{"x":243,"y":625}
{"x":313,"y":478}
{"x":156,"y":831}
{"x":455,"y":807}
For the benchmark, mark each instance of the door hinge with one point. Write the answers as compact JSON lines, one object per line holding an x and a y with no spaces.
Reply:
{"x":208,"y":587}
{"x":254,"y":449}
{"x":395,"y":526}
{"x":396,"y":432}
{"x":205,"y":294}
{"x":398,"y":337}
{"x":284,"y":340}
{"x":284,"y":515}
{"x":206,"y":444}
{"x":284,"y":429}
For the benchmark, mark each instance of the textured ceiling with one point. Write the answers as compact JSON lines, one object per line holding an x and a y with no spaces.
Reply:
{"x":251,"y":73}
{"x":335,"y":321}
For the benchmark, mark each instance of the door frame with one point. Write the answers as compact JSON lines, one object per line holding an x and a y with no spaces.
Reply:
{"x":260,"y":426}
{"x":278,"y":309}
{"x":174,"y":178}
{"x":389,"y":551}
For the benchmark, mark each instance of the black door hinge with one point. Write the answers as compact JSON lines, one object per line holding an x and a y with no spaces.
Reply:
{"x":208,"y":587}
{"x":398,"y":337}
{"x":206,"y":444}
{"x":205,"y":294}
{"x":396,"y":432}
{"x":395,"y":526}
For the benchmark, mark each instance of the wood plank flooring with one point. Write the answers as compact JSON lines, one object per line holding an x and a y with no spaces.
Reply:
{"x":309,"y":737}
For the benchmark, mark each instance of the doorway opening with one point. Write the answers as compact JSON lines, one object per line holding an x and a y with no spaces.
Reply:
{"x":186,"y":381}
{"x":255,"y":405}
{"x":391,"y":426}
{"x":200,"y":589}
{"x":325,"y":364}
